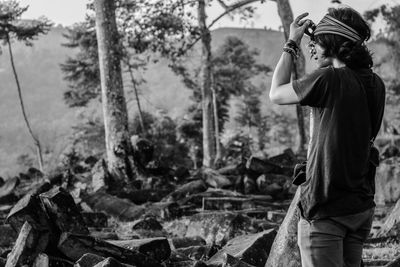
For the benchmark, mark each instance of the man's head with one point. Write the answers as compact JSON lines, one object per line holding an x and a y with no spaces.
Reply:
{"x":342,"y":34}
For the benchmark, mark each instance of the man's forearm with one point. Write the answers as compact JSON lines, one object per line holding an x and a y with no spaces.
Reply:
{"x":282,"y":71}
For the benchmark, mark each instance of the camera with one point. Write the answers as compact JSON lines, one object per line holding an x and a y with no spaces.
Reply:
{"x":310,"y":29}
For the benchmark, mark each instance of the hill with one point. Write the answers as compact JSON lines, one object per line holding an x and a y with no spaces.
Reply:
{"x":43,"y":86}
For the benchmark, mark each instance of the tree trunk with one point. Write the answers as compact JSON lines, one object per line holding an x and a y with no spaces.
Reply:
{"x":21,"y":101}
{"x":135,"y":89}
{"x":284,"y":251}
{"x":286,"y":15}
{"x":216,"y":127}
{"x":118,"y":144}
{"x":205,"y":84}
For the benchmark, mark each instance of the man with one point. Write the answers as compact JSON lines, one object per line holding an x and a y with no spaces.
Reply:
{"x":347,"y":101}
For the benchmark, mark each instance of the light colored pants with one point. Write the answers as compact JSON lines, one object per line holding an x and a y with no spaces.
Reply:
{"x":334,"y":242}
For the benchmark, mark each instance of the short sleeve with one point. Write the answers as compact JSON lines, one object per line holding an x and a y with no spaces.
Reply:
{"x":313,"y":89}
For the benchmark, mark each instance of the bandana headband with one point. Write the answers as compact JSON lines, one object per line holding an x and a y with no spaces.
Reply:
{"x":330,"y":25}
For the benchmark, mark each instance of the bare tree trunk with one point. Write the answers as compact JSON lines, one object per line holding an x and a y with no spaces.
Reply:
{"x":286,"y":15}
{"x":135,"y":89}
{"x":205,"y":84}
{"x":216,"y":126}
{"x":118,"y":144}
{"x":284,"y":251}
{"x":21,"y":101}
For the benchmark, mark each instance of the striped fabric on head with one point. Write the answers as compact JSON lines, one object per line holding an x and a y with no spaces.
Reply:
{"x":330,"y":25}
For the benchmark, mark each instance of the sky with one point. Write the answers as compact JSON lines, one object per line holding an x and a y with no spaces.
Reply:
{"x":67,"y":12}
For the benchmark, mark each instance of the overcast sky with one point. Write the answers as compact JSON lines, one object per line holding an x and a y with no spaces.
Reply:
{"x":67,"y":12}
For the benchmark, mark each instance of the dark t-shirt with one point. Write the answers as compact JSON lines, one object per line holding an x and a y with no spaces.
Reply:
{"x":348,"y":107}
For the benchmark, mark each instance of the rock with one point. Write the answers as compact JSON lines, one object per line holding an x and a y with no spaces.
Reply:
{"x":95,"y":219}
{"x":8,"y":235}
{"x":100,"y":176}
{"x":184,"y":242}
{"x":111,"y":262}
{"x":284,"y":251}
{"x":227,"y":260}
{"x":156,"y":248}
{"x":217,"y":227}
{"x":63,"y":212}
{"x":203,"y":252}
{"x":88,"y":260}
{"x":387,"y":181}
{"x":28,"y":209}
{"x":29,"y":244}
{"x":122,"y":209}
{"x":187,"y":189}
{"x":252,"y":249}
{"x":75,"y":246}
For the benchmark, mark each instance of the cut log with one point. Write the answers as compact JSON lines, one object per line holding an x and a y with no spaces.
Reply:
{"x":63,"y":212}
{"x":29,"y":244}
{"x":95,"y":219}
{"x":156,"y":248}
{"x":7,"y":235}
{"x":122,"y":209}
{"x":111,"y":262}
{"x":88,"y":260}
{"x":28,"y":209}
{"x":284,"y":251}
{"x":75,"y":246}
{"x":227,"y":260}
{"x":184,"y":242}
{"x":252,"y":249}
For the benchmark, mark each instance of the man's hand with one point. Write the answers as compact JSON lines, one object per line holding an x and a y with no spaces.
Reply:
{"x":297,"y":28}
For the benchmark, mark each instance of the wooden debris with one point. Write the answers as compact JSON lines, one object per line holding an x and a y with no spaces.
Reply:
{"x":122,"y":209}
{"x":145,"y":195}
{"x":100,"y":176}
{"x":103,"y":233}
{"x":63,"y":212}
{"x":203,"y":252}
{"x":284,"y":251}
{"x":184,"y":242}
{"x":29,"y":244}
{"x":189,"y":263}
{"x":75,"y":246}
{"x":252,"y":249}
{"x":148,"y":223}
{"x":156,"y":248}
{"x":259,"y":166}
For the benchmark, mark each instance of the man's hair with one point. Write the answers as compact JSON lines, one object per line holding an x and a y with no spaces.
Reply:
{"x":354,"y":54}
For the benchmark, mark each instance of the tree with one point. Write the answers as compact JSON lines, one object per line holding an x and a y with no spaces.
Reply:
{"x":12,"y":27}
{"x":118,"y":146}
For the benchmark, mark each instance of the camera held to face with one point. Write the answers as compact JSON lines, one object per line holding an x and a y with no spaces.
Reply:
{"x":310,"y":29}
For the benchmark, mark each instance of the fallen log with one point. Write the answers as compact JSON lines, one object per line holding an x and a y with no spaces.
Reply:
{"x":252,"y":249}
{"x":284,"y":251}
{"x":29,"y":244}
{"x":63,"y":212}
{"x":156,"y":248}
{"x":75,"y":246}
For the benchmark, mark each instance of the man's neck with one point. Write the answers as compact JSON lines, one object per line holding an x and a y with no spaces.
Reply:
{"x":338,"y":63}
